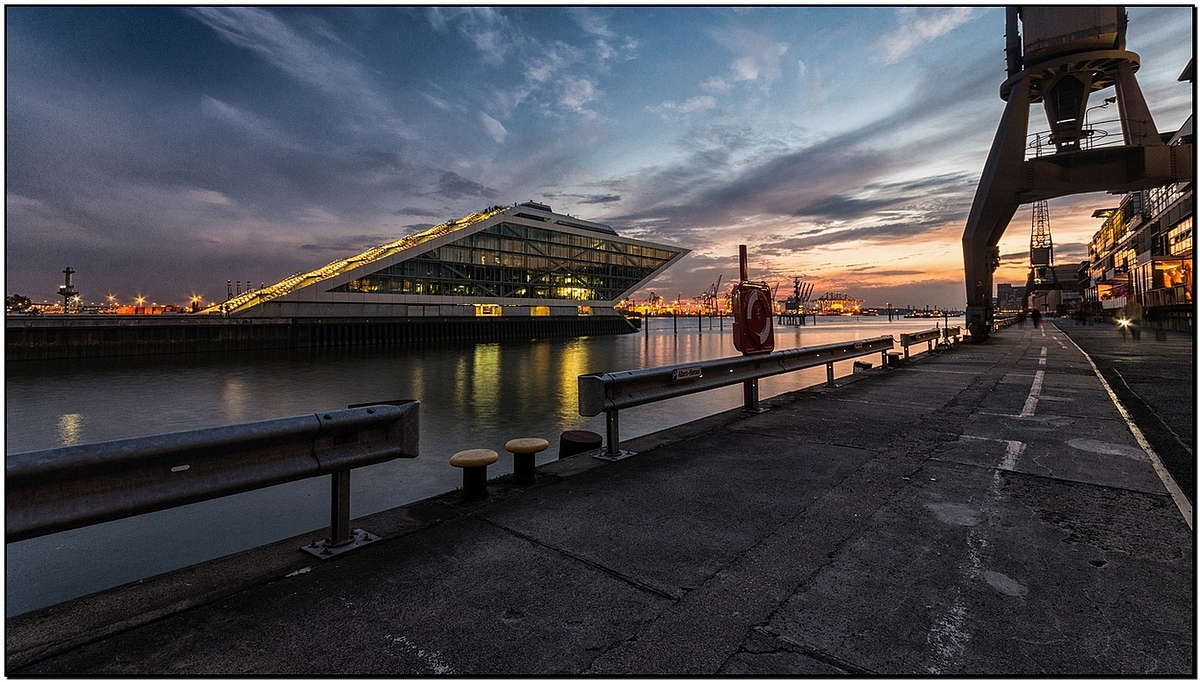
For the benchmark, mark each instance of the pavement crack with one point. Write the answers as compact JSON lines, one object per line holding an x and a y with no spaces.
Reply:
{"x":817,"y":654}
{"x":583,"y":560}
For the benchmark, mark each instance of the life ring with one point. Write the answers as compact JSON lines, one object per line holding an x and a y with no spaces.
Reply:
{"x":758,"y":316}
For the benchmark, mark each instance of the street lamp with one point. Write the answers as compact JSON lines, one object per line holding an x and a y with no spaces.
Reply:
{"x":1107,"y":101}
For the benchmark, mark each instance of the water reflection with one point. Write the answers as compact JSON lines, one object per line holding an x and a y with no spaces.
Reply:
{"x":70,"y":428}
{"x":471,"y":396}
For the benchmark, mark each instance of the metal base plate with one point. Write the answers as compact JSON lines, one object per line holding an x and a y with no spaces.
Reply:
{"x":621,"y":454}
{"x":756,"y":410}
{"x":321,"y":549}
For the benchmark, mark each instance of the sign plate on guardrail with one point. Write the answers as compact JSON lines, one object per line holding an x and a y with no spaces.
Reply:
{"x":686,"y":373}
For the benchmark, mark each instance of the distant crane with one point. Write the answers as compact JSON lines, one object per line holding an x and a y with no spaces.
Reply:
{"x":1041,"y":246}
{"x":709,"y":297}
{"x":800,"y":294}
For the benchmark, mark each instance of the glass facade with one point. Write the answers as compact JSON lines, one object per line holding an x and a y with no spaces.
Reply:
{"x":508,"y":260}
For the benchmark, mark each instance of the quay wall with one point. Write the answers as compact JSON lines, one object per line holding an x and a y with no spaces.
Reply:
{"x":64,"y":337}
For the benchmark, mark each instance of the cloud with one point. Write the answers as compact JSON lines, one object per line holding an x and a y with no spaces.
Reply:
{"x":582,"y":198}
{"x":250,"y":124}
{"x":716,"y":84}
{"x":698,"y":103}
{"x":758,"y":58}
{"x":453,"y":186}
{"x":494,"y":128}
{"x":919,"y":26}
{"x":417,"y":211}
{"x":264,"y":33}
{"x":558,"y":76}
{"x":591,"y":22}
{"x":600,"y":199}
{"x":348,"y":244}
{"x":577,"y":92}
{"x":491,"y":33}
{"x":813,"y":86}
{"x":869,"y":233}
{"x":853,"y":171}
{"x":439,"y":103}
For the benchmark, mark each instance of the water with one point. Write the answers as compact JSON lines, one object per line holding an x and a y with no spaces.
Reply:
{"x":471,"y":396}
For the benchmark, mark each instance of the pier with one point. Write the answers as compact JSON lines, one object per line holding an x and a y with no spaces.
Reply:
{"x":90,"y":336}
{"x":998,"y":508}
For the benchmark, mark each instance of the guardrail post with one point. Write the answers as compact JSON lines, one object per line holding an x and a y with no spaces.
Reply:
{"x":341,"y":537}
{"x":612,"y":450}
{"x":829,"y":374}
{"x":612,"y":427}
{"x":750,"y":396}
{"x":339,"y":506}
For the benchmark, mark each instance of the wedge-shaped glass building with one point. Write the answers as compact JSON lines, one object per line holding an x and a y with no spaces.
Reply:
{"x":519,"y":260}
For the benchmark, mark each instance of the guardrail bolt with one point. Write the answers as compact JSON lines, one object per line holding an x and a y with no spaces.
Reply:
{"x":474,"y":464}
{"x":524,"y":460}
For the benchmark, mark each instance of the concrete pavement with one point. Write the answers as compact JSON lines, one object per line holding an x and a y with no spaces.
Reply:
{"x":983,"y":510}
{"x":1154,"y":377}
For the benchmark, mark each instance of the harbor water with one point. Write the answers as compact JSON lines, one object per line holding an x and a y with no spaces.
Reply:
{"x":471,"y":396}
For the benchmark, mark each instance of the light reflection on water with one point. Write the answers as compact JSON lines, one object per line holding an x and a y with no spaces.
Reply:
{"x":471,"y":396}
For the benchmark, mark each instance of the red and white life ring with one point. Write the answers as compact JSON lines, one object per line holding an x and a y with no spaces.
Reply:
{"x":758,"y":315}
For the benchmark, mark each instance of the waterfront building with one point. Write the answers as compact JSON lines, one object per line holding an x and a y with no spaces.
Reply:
{"x":837,"y":303}
{"x":1140,"y":260}
{"x":521,"y":260}
{"x":1009,"y":298}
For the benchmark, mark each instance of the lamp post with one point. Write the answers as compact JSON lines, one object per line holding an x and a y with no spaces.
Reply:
{"x":1087,"y":132}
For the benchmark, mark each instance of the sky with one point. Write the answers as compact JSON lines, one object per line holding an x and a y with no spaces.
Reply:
{"x":160,"y":151}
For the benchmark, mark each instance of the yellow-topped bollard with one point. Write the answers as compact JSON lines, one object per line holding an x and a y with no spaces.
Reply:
{"x":524,"y":461}
{"x":474,"y":464}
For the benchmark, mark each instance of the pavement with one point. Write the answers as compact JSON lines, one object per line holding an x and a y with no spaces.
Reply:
{"x":980,"y":510}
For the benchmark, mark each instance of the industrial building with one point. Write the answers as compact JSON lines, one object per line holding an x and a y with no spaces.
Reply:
{"x":521,"y":260}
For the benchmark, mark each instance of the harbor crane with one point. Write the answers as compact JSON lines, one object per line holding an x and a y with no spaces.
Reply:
{"x":1058,"y":55}
{"x":709,"y":297}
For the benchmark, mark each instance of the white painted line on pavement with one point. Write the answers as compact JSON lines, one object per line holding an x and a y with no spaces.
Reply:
{"x":1034,"y":392}
{"x":1181,"y":500}
{"x":1012,"y":451}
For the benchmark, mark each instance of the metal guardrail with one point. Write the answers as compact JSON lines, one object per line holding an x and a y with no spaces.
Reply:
{"x":929,"y":336}
{"x":610,"y":392}
{"x":49,"y":491}
{"x":1002,"y":322}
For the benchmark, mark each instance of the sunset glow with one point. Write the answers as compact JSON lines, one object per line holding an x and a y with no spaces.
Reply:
{"x":169,"y":149}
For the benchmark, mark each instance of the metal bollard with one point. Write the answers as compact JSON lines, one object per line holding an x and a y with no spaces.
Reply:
{"x":524,"y":461}
{"x":575,"y":442}
{"x":474,"y":464}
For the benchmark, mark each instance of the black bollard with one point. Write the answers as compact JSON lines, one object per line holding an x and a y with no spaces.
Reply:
{"x":575,"y":442}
